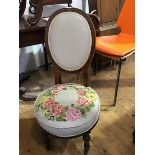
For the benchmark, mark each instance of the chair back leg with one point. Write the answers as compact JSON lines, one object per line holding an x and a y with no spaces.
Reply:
{"x":45,"y":57}
{"x":85,"y":77}
{"x":57,"y":74}
{"x":117,"y":81}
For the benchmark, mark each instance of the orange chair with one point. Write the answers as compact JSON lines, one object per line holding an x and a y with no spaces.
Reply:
{"x":118,"y":47}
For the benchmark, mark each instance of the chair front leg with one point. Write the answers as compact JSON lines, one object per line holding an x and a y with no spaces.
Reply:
{"x":117,"y":81}
{"x":86,"y":139}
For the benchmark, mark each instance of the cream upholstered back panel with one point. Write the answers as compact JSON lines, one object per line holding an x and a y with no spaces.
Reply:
{"x":70,"y":40}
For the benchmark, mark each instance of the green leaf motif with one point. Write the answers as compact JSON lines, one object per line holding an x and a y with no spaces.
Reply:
{"x":67,"y":107}
{"x":60,"y":118}
{"x":51,"y":118}
{"x":88,"y":108}
{"x":82,"y":110}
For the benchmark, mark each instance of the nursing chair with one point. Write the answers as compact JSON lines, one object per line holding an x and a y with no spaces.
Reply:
{"x":119,"y":46}
{"x":69,"y":110}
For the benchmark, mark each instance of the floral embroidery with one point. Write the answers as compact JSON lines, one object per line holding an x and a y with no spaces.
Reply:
{"x":91,"y":96}
{"x":52,"y":110}
{"x":81,"y":92}
{"x":58,"y":88}
{"x":82,"y":102}
{"x":44,"y":99}
{"x":73,"y":114}
{"x":49,"y":103}
{"x":57,"y":110}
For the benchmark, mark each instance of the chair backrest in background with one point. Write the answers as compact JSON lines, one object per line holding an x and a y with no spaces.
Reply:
{"x":126,"y":18}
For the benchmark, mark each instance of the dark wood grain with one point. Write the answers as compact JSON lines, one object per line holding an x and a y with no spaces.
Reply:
{"x":31,"y":35}
{"x":37,"y":5}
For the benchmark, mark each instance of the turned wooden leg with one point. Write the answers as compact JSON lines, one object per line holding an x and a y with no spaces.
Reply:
{"x":86,"y":139}
{"x":46,"y":139}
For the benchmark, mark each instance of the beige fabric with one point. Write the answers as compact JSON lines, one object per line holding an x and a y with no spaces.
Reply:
{"x":70,"y":40}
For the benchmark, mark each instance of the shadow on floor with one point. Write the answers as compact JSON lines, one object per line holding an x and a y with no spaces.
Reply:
{"x":31,"y":140}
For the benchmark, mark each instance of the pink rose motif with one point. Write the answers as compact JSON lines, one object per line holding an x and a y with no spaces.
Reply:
{"x":81,"y":92}
{"x":55,"y":90}
{"x":58,"y":88}
{"x":49,"y":104}
{"x":83,"y":102}
{"x":57,"y":110}
{"x":61,"y":86}
{"x":73,"y":114}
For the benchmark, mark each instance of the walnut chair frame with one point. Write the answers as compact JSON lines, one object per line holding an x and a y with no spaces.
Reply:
{"x":83,"y":69}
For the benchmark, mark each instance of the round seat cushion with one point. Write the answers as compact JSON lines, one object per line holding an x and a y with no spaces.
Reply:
{"x":67,"y":110}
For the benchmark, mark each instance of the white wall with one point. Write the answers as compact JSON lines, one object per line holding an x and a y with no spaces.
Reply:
{"x":77,"y":3}
{"x":33,"y":56}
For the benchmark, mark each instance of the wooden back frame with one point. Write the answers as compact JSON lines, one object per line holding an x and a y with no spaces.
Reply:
{"x":84,"y":68}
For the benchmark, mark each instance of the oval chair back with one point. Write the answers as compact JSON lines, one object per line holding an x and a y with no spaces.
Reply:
{"x":70,"y":40}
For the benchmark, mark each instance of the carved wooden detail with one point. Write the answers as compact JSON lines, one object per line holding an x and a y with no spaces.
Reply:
{"x":22,"y":6}
{"x":32,"y":7}
{"x":36,"y":8}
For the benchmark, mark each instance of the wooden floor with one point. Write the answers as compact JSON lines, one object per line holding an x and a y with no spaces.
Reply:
{"x":113,"y":133}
